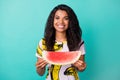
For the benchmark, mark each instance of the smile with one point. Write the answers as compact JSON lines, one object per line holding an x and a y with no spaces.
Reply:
{"x":61,"y":26}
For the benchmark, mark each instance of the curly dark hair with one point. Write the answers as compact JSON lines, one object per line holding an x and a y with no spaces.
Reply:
{"x":73,"y":32}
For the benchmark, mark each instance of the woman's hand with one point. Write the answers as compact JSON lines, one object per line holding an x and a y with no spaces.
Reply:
{"x":40,"y":66}
{"x":41,"y":63}
{"x":80,"y":64}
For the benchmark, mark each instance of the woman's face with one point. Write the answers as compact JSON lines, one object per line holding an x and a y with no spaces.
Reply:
{"x":61,"y":21}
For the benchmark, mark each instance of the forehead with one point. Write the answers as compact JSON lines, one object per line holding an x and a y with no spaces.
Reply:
{"x":61,"y":13}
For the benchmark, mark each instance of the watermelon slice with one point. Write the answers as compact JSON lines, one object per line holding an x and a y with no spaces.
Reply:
{"x":61,"y":58}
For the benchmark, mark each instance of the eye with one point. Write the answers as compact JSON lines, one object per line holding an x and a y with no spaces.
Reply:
{"x":56,"y":17}
{"x":66,"y":18}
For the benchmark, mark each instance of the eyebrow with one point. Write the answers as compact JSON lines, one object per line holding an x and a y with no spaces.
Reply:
{"x":58,"y":16}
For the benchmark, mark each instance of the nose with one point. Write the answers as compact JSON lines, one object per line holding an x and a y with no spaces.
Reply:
{"x":61,"y":21}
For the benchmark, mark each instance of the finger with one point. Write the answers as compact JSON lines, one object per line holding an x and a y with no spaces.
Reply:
{"x":76,"y":64}
{"x":40,"y":61}
{"x":42,"y":64}
{"x":81,"y":63}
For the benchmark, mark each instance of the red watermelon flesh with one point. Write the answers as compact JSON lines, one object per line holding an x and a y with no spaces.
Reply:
{"x":61,"y":58}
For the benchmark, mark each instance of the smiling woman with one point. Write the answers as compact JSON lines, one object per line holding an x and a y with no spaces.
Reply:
{"x":22,"y":25}
{"x":62,"y":34}
{"x":61,"y":21}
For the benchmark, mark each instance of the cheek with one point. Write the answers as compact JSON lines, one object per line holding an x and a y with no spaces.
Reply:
{"x":67,"y":23}
{"x":54,"y":22}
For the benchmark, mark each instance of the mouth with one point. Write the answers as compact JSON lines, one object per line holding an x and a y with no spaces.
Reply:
{"x":61,"y":26}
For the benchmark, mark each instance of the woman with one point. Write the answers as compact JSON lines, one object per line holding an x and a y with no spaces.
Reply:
{"x":62,"y":33}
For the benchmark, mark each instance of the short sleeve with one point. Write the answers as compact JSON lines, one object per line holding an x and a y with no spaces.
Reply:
{"x":40,"y":48}
{"x":82,"y":47}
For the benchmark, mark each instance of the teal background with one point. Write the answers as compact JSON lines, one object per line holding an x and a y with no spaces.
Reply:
{"x":22,"y":25}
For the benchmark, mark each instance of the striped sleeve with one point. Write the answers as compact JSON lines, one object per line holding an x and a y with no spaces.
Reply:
{"x":39,"y":49}
{"x":82,"y":47}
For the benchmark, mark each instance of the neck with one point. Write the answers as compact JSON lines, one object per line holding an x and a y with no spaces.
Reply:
{"x":61,"y":37}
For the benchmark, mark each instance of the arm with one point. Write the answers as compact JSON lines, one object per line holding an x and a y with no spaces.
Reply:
{"x":80,"y":64}
{"x":40,"y":66}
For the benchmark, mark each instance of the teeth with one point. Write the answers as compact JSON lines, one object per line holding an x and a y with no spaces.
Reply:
{"x":60,"y":26}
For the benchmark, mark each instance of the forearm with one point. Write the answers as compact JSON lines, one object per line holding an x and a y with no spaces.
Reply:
{"x":40,"y":71}
{"x":41,"y":66}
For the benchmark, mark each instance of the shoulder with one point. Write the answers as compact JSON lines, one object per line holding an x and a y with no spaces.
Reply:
{"x":42,"y":44}
{"x":81,"y":43}
{"x":42,"y":41}
{"x":82,"y":47}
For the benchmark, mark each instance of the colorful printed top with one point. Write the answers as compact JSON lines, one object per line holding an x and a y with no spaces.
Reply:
{"x":60,"y":72}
